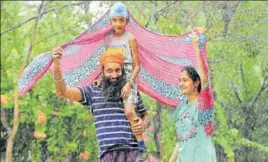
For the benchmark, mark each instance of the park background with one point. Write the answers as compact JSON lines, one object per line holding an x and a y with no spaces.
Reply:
{"x":43,"y":127}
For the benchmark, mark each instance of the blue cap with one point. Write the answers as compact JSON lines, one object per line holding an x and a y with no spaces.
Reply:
{"x":118,"y":9}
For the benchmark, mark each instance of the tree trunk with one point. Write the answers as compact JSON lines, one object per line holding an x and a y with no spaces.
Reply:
{"x":157,"y":130}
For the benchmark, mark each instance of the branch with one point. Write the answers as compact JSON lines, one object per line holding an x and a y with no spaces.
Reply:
{"x":51,"y":35}
{"x":34,"y":33}
{"x":10,"y":140}
{"x":263,"y":87}
{"x":156,"y":14}
{"x":235,"y":92}
{"x":152,"y":14}
{"x":228,"y":15}
{"x":249,"y":23}
{"x":1,"y":5}
{"x":218,"y":36}
{"x":161,"y":11}
{"x":36,"y":16}
{"x":157,"y":129}
{"x":248,"y":143}
{"x":11,"y":137}
{"x":220,"y":60}
{"x":208,"y":15}
{"x":243,"y":79}
{"x":254,"y":38}
{"x":237,"y":96}
{"x":166,"y":7}
{"x":86,"y":6}
{"x":188,"y":19}
{"x":140,"y":11}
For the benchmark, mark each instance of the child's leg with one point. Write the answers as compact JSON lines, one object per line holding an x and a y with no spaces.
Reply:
{"x":131,"y":115}
{"x":129,"y":106}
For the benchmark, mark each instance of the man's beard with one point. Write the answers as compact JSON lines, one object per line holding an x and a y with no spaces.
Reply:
{"x":111,"y":91}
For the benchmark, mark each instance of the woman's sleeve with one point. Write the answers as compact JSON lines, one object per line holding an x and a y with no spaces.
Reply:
{"x":206,"y":108}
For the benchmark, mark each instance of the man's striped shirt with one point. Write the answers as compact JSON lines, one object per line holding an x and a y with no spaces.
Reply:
{"x":112,"y":127}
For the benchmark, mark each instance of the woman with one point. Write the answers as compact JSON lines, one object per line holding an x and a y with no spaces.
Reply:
{"x":194,"y":142}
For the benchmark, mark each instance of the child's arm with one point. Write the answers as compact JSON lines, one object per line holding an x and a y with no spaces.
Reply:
{"x":134,"y":52}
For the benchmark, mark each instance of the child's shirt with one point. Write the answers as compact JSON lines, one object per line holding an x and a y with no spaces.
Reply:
{"x":121,"y":44}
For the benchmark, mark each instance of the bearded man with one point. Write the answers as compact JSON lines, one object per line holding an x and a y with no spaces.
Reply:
{"x":115,"y":136}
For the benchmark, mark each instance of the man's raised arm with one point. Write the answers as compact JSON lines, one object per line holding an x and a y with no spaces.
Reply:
{"x":72,"y":93}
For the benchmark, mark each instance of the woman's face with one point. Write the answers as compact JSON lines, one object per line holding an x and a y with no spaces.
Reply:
{"x":119,"y":24}
{"x":186,"y":84}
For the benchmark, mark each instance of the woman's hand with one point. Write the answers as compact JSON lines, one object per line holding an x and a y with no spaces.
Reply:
{"x":195,"y":40}
{"x":201,"y":30}
{"x":208,"y":128}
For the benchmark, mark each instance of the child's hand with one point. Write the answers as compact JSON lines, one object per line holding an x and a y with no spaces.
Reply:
{"x":96,"y":82}
{"x":125,"y":90}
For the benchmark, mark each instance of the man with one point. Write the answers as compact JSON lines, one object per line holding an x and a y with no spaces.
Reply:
{"x":115,"y":136}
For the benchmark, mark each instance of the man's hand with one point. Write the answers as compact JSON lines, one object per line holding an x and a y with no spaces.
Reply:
{"x":57,"y":53}
{"x":139,"y":127}
{"x":125,"y":90}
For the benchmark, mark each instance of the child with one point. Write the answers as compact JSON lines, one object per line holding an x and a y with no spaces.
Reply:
{"x":124,"y":42}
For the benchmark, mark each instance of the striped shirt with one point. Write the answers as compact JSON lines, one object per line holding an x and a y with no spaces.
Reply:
{"x":112,"y":127}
